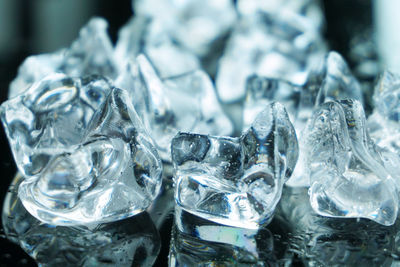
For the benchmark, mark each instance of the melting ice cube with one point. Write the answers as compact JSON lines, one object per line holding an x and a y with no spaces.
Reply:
{"x":236,"y":181}
{"x":82,"y":150}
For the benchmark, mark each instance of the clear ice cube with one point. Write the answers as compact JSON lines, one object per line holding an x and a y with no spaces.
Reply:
{"x":91,"y":53}
{"x":331,"y":80}
{"x":194,"y":24}
{"x":236,"y":181}
{"x":130,"y":242}
{"x":271,"y":44}
{"x":181,"y":103}
{"x":348,"y":176}
{"x":143,"y":34}
{"x":82,"y":150}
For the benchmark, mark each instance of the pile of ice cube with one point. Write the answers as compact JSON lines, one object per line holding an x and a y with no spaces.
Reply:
{"x":238,"y":98}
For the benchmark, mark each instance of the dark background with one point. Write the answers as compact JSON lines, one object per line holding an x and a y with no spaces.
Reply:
{"x":31,"y":27}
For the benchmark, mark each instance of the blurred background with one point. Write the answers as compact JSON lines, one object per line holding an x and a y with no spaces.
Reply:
{"x":40,"y":26}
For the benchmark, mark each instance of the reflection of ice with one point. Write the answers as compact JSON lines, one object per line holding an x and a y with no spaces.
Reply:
{"x":132,"y":241}
{"x":322,"y":241}
{"x":196,"y":241}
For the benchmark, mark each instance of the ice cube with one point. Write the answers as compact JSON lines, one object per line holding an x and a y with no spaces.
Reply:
{"x":82,"y":150}
{"x":236,"y":181}
{"x":348,"y":175}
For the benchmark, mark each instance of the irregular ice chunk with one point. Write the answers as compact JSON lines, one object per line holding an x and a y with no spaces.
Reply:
{"x":121,"y":243}
{"x":332,"y":80}
{"x":82,"y":150}
{"x":384,"y":123}
{"x":194,"y":24}
{"x":91,"y":53}
{"x":147,"y":35}
{"x":271,"y":45}
{"x":181,"y":103}
{"x":347,"y":173}
{"x":236,"y":181}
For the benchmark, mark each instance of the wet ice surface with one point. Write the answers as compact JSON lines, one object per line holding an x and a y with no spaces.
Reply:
{"x":296,"y":236}
{"x":198,"y":242}
{"x":321,"y":241}
{"x":349,"y":176}
{"x":236,"y":181}
{"x":82,"y":150}
{"x":129,"y":242}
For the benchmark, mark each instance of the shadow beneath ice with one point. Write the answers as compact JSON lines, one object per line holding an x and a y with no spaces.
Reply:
{"x":129,"y":242}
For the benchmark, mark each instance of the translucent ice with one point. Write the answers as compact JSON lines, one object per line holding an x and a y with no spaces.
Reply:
{"x":181,"y":103}
{"x":236,"y":181}
{"x":384,"y":123}
{"x":194,"y":24}
{"x":148,"y":35}
{"x":130,"y":242}
{"x":82,"y":150}
{"x":271,"y":44}
{"x":348,"y":175}
{"x":331,"y":80}
{"x":91,"y":53}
